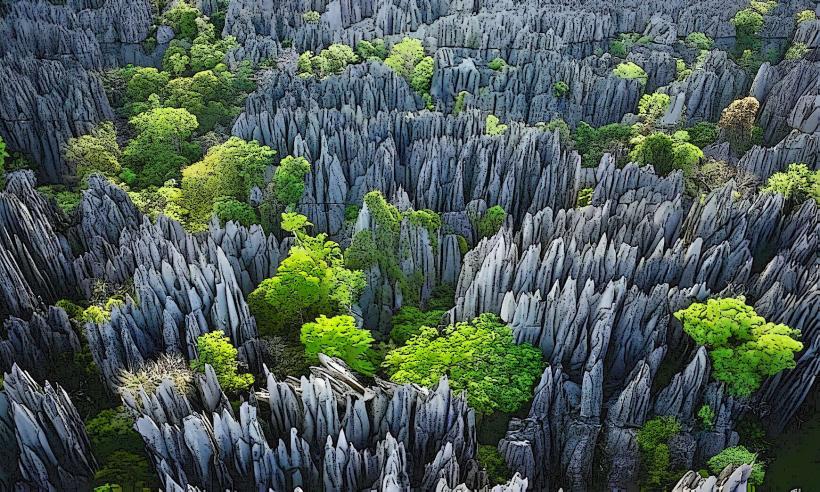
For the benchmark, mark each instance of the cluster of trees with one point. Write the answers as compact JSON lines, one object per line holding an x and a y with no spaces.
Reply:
{"x":797,"y":184}
{"x":408,"y":60}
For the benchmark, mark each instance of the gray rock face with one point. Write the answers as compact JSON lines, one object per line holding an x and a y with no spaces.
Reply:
{"x":52,"y":449}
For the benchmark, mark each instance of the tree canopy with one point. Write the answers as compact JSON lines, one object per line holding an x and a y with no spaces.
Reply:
{"x":338,"y":337}
{"x":479,"y":356}
{"x":744,"y":347}
{"x":215,"y":349}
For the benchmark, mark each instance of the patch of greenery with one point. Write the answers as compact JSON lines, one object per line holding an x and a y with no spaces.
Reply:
{"x":797,"y":184}
{"x":593,"y":143}
{"x":796,"y":51}
{"x":699,"y":41}
{"x":630,"y":71}
{"x":560,"y":88}
{"x":744,"y":348}
{"x":493,"y":126}
{"x":707,"y":417}
{"x":653,"y":443}
{"x":479,"y":356}
{"x":407,"y":59}
{"x":492,"y":461}
{"x":805,"y":16}
{"x":330,"y":61}
{"x":215,"y":349}
{"x":339,"y":337}
{"x":703,"y":134}
{"x":666,"y":153}
{"x":491,"y":221}
{"x":311,"y":17}
{"x":748,"y":22}
{"x":497,"y":64}
{"x":737,"y":456}
{"x":409,"y":320}
{"x":371,"y":50}
{"x":584,"y":197}
{"x":67,"y":200}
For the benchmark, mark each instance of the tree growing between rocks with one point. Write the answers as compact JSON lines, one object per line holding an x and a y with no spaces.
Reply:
{"x":339,"y":337}
{"x":215,"y":349}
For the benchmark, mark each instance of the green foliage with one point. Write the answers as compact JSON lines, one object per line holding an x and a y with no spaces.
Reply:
{"x":311,"y":17}
{"x":630,"y":71}
{"x":584,"y":197}
{"x":493,"y":126}
{"x":557,"y":124}
{"x":73,"y":310}
{"x":351,"y":212}
{"x":796,"y":51}
{"x":748,"y":23}
{"x":560,"y":88}
{"x":339,"y":337}
{"x":3,"y":155}
{"x":182,"y":19}
{"x":404,"y":56}
{"x":743,"y":347}
{"x":289,"y":180}
{"x":371,"y":50}
{"x":67,"y":200}
{"x":330,"y":61}
{"x":797,"y":184}
{"x":618,"y":48}
{"x":458,"y":106}
{"x":130,"y":470}
{"x":112,"y":430}
{"x":97,"y":152}
{"x":161,"y":146}
{"x":310,"y":282}
{"x":763,"y":7}
{"x":213,"y":96}
{"x":653,"y":443}
{"x":492,"y":461}
{"x":805,"y":16}
{"x":227,"y":209}
{"x":409,"y":320}
{"x":145,"y":81}
{"x":491,"y":221}
{"x":593,"y":143}
{"x":737,"y":456}
{"x":228,"y":171}
{"x":215,"y":349}
{"x":681,"y":70}
{"x":497,"y":64}
{"x":738,"y":123}
{"x":422,"y":75}
{"x":699,"y":41}
{"x":163,"y":200}
{"x":666,"y":153}
{"x":703,"y":134}
{"x":707,"y":417}
{"x":479,"y":356}
{"x":653,"y":106}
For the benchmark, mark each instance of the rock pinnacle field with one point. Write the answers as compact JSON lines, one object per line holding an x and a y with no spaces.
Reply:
{"x":409,"y":245}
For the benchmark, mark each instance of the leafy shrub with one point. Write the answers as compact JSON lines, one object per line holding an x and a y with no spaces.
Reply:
{"x":492,"y":461}
{"x":409,"y":320}
{"x":702,"y":134}
{"x":707,"y":417}
{"x":422,"y":75}
{"x":737,"y":456}
{"x":743,"y":347}
{"x":3,"y":155}
{"x":797,"y":184}
{"x":215,"y":349}
{"x":289,"y":180}
{"x":681,"y":70}
{"x":311,"y":17}
{"x":182,"y":19}
{"x":67,"y":200}
{"x":805,"y":16}
{"x":618,"y":48}
{"x":653,"y":106}
{"x":371,"y":50}
{"x":339,"y":337}
{"x":748,"y":23}
{"x":479,"y":356}
{"x":97,"y":152}
{"x":557,"y":124}
{"x":491,"y":221}
{"x":630,"y":71}
{"x":593,"y":143}
{"x":493,"y":126}
{"x":497,"y":64}
{"x":144,"y":82}
{"x":666,"y":153}
{"x":584,"y":197}
{"x":330,"y":61}
{"x":458,"y":106}
{"x":160,"y":148}
{"x":229,"y":209}
{"x":560,"y":88}
{"x":653,"y":443}
{"x":404,"y":56}
{"x":311,"y":281}
{"x":796,"y":51}
{"x":738,"y":123}
{"x":700,"y":41}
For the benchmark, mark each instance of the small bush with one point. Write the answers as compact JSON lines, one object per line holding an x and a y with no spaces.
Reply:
{"x":407,"y":322}
{"x":492,"y":461}
{"x":805,"y":16}
{"x":560,"y":88}
{"x":311,"y":17}
{"x":737,"y":456}
{"x":493,"y":126}
{"x":497,"y":64}
{"x":630,"y":71}
{"x":339,"y":337}
{"x":707,"y":417}
{"x":458,"y":106}
{"x":371,"y":50}
{"x":796,"y":51}
{"x":215,"y":349}
{"x":491,"y":221}
{"x":797,"y":184}
{"x":700,"y":41}
{"x":653,"y":442}
{"x":702,"y":134}
{"x":584,"y":197}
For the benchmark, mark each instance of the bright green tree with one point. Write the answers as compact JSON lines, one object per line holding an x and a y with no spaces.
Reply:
{"x":3,"y":155}
{"x":339,"y":337}
{"x":737,"y":456}
{"x":227,"y":209}
{"x":493,"y":126}
{"x":593,"y":143}
{"x":743,"y":347}
{"x":161,"y":146}
{"x":479,"y":356}
{"x":497,"y":64}
{"x":700,"y":41}
{"x":409,"y":320}
{"x":653,"y":443}
{"x":748,"y":23}
{"x":289,"y":180}
{"x":404,"y":56}
{"x":797,"y":184}
{"x":310,"y":282}
{"x":182,"y":19}
{"x":631,"y":71}
{"x":215,"y":349}
{"x":144,"y":82}
{"x":96,"y":152}
{"x":228,"y":171}
{"x":653,"y":106}
{"x":666,"y":153}
{"x":491,"y":221}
